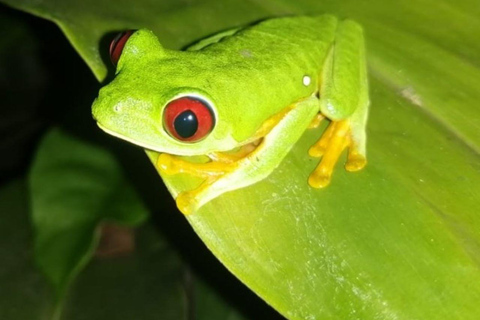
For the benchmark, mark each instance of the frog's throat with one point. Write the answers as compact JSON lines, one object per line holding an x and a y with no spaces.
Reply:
{"x":122,"y":137}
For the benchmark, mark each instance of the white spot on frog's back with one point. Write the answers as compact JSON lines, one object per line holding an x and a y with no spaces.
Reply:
{"x":246,"y":53}
{"x":306,"y":81}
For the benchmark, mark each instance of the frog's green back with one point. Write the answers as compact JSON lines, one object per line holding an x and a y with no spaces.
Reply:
{"x":258,"y":71}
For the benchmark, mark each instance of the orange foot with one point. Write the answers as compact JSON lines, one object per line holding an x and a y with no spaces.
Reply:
{"x":336,"y":138}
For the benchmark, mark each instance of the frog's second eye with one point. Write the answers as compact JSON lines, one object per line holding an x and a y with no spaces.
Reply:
{"x":188,"y":119}
{"x":117,"y":44}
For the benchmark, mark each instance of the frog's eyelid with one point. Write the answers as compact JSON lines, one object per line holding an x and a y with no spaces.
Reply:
{"x":117,"y":44}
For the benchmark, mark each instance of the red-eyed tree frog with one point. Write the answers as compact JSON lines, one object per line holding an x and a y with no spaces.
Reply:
{"x":242,"y":97}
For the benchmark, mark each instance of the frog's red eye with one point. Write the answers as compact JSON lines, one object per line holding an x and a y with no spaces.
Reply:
{"x":117,"y":44}
{"x":188,"y":119}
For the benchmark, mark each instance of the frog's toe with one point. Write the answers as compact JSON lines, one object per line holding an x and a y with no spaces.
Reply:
{"x":355,"y":161}
{"x":187,"y":202}
{"x":316,"y":151}
{"x":319,"y":179}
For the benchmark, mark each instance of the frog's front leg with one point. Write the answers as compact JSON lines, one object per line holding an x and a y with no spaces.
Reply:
{"x":220,"y":162}
{"x":171,"y":164}
{"x":257,"y":164}
{"x":343,"y":100}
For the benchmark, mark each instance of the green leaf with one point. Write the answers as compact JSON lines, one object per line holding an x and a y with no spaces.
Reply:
{"x":74,"y":187}
{"x":399,"y":240}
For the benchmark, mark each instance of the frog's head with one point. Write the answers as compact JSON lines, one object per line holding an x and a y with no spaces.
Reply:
{"x":158,"y":100}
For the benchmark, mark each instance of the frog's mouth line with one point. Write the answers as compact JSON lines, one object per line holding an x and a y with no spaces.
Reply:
{"x":153,"y":149}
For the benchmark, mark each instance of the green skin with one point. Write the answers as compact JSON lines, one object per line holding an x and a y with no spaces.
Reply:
{"x":247,"y":75}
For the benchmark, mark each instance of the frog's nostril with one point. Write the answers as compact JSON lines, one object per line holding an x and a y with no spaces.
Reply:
{"x":117,"y":108}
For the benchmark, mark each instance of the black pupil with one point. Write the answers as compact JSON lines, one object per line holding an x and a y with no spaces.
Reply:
{"x":186,"y":124}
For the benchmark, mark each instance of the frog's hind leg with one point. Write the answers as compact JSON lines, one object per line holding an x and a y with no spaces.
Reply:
{"x":344,"y":100}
